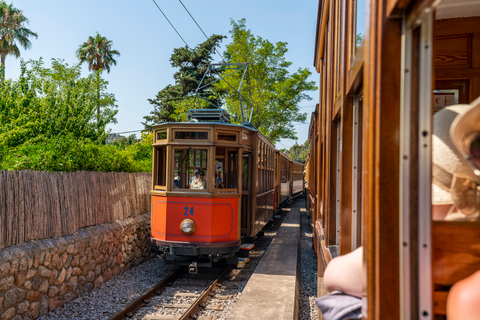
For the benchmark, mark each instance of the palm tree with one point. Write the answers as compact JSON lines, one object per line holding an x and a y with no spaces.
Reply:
{"x":13,"y":31}
{"x":97,"y":52}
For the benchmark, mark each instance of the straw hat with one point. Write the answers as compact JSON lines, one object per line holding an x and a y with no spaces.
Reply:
{"x":447,"y":160}
{"x":453,"y":180}
{"x":466,"y":127}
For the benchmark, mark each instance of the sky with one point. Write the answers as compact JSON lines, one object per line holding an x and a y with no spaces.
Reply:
{"x":146,"y":41}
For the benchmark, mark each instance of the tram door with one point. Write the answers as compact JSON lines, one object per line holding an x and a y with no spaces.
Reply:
{"x":246,"y":189}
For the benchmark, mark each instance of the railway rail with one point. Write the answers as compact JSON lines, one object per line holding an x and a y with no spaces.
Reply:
{"x":207,"y":295}
{"x":159,"y":293}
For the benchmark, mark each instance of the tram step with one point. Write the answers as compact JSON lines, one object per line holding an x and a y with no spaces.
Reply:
{"x":242,"y":261}
{"x":247,"y":246}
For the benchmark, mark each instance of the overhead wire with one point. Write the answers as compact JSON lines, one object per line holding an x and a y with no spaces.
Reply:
{"x":128,"y":131}
{"x":200,"y":28}
{"x":170,"y":23}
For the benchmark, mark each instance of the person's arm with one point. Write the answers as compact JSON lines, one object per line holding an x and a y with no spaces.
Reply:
{"x":344,"y":273}
{"x":463,"y":301}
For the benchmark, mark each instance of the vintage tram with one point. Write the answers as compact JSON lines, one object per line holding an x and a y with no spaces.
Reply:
{"x":213,"y":187}
{"x":386,"y":67}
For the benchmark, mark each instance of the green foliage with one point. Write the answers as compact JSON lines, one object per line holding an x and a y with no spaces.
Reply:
{"x":13,"y":32}
{"x":299,"y":152}
{"x":122,"y":141}
{"x":358,"y":40}
{"x":274,"y":91}
{"x":173,"y":101}
{"x":65,"y":154}
{"x":46,"y":103}
{"x":47,"y":123}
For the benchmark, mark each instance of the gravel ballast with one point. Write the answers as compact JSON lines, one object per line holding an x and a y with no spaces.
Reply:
{"x":106,"y":300}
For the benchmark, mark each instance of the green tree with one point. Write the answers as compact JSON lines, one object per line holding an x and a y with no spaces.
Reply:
{"x":48,"y":103}
{"x":13,"y":32}
{"x":275,"y":92}
{"x":97,"y":52}
{"x":47,"y":123}
{"x":299,"y":152}
{"x":173,"y":100}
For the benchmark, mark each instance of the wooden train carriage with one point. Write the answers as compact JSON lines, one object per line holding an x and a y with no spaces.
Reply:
{"x":237,"y":196}
{"x":284,"y":177}
{"x":264,"y":189}
{"x":307,"y":186}
{"x":298,"y":169}
{"x":385,"y":67}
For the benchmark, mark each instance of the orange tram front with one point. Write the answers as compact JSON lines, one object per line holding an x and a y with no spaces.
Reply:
{"x":213,"y":186}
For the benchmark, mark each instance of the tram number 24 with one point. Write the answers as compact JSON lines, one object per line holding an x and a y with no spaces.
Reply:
{"x":187,"y":211}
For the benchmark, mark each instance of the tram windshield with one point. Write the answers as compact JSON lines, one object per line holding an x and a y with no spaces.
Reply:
{"x":190,"y":168}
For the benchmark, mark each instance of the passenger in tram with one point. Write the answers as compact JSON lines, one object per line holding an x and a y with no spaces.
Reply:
{"x":218,"y":181}
{"x":454,"y":187}
{"x":199,"y":183}
{"x":194,"y":177}
{"x":455,"y":196}
{"x":343,"y":280}
{"x":463,"y":299}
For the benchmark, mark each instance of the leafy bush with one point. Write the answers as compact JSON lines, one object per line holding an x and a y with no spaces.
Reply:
{"x":48,"y":122}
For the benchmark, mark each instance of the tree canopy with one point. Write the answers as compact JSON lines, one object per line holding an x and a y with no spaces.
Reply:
{"x":97,"y":52}
{"x":47,"y":123}
{"x":13,"y":32}
{"x":299,"y":152}
{"x":274,"y":92}
{"x":173,"y":100}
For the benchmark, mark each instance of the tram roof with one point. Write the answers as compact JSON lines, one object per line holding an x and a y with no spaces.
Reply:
{"x":192,"y":123}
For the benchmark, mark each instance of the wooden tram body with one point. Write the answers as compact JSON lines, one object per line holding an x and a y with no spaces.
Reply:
{"x":239,"y":195}
{"x":370,"y":166}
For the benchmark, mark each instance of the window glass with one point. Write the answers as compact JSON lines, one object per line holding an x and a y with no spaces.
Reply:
{"x":227,"y":137}
{"x":245,"y":172}
{"x":160,"y":166}
{"x":190,"y":168}
{"x":226,"y":168}
{"x":161,"y":135}
{"x":358,"y":27}
{"x":191,"y":135}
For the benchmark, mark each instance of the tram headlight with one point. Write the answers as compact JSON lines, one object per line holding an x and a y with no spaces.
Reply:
{"x":187,"y":226}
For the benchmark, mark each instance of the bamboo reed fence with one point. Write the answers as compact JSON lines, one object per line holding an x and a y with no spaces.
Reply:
{"x":38,"y":205}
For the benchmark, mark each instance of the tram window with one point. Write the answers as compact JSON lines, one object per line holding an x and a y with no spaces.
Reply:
{"x":245,"y":172}
{"x":227,"y":137}
{"x":226,"y":168}
{"x":161,"y":167}
{"x":358,"y":27}
{"x":191,"y":135}
{"x":162,"y":135}
{"x":189,"y":164}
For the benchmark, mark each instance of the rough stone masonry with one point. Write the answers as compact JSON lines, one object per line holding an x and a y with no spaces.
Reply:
{"x":40,"y":276}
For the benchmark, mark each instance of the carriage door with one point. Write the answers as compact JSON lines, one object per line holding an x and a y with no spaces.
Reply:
{"x":246,"y":188}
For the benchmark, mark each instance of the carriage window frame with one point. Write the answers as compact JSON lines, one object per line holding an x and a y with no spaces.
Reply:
{"x":191,"y":166}
{"x":227,"y":168}
{"x":356,"y":27}
{"x":160,"y":177}
{"x":220,"y":134}
{"x":204,"y":135}
{"x":164,"y":135}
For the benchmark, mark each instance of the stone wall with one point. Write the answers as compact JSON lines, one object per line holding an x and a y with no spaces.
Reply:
{"x":40,"y":276}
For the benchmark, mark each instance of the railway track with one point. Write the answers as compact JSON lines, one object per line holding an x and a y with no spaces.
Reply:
{"x":184,"y":296}
{"x":179,"y":296}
